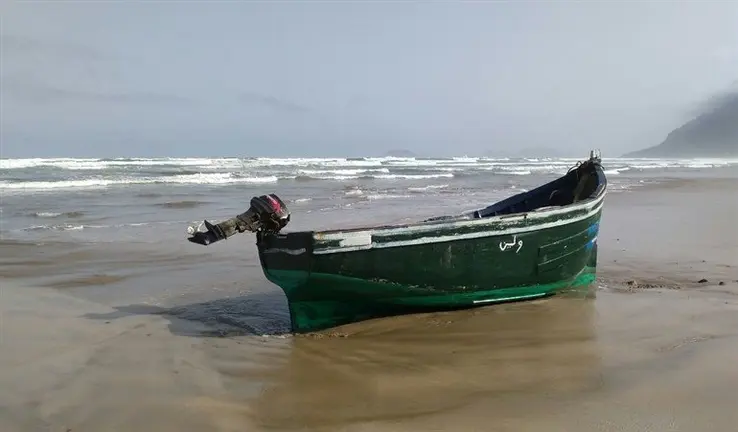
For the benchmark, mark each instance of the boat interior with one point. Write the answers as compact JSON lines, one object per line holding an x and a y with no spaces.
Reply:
{"x":584,"y":181}
{"x":577,"y":185}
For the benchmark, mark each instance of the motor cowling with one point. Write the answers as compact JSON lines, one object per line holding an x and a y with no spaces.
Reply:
{"x":267,"y":214}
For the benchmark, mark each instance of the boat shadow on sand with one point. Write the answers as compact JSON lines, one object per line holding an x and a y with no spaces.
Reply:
{"x":263,"y":314}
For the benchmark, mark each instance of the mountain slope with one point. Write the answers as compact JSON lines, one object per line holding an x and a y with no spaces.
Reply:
{"x":712,"y":134}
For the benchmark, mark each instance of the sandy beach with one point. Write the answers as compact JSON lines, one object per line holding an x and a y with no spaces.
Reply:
{"x":105,"y":338}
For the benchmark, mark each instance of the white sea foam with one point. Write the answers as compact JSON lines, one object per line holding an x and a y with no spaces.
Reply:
{"x":62,"y":227}
{"x":101,"y":164}
{"x":353,"y":192}
{"x":342,"y":172}
{"x":213,"y":163}
{"x":66,"y":173}
{"x":375,"y":197}
{"x":209,"y":178}
{"x":80,"y":227}
{"x":413,"y":176}
{"x":616,"y":171}
{"x":427,"y":188}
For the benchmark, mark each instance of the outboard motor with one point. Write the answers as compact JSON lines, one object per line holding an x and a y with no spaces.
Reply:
{"x":267,"y":214}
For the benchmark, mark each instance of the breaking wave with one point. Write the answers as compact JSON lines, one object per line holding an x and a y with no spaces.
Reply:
{"x":66,"y":173}
{"x":80,"y":227}
{"x":72,"y":214}
{"x":209,"y":178}
{"x":186,"y":204}
{"x":356,"y":165}
{"x":60,"y":227}
{"x":427,"y":188}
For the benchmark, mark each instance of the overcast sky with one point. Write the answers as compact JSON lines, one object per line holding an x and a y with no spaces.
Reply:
{"x":175,"y":78}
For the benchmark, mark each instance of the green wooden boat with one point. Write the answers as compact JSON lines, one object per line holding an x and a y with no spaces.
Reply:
{"x":527,"y":246}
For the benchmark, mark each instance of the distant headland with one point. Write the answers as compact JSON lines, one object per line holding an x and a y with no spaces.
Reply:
{"x":713,"y":134}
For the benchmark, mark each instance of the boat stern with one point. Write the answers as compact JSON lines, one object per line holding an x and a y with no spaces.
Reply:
{"x":285,"y":258}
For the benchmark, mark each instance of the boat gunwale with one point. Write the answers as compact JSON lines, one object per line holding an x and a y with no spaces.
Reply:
{"x":371,"y":244}
{"x":586,"y":204}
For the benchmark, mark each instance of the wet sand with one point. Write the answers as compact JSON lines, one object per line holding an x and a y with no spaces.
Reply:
{"x":111,"y":338}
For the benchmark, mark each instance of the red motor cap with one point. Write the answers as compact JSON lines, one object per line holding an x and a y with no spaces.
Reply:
{"x":275,"y":204}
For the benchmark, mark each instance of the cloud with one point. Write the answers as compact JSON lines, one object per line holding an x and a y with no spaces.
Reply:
{"x":725,"y":53}
{"x":23,"y":58}
{"x":728,"y":100}
{"x":22,"y":45}
{"x":26,"y":89}
{"x":716,"y":102}
{"x":272,"y":102}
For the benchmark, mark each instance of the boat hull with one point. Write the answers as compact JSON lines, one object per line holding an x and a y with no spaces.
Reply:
{"x":334,"y":280}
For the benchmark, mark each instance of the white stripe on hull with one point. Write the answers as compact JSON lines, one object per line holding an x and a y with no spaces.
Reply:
{"x":509,"y":298}
{"x":593,"y":208}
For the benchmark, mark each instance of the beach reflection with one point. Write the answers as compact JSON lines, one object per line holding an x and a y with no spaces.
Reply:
{"x":404,"y":367}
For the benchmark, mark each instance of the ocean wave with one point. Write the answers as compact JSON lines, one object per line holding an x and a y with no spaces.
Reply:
{"x":353,"y":192}
{"x":232,"y":163}
{"x":210,"y":178}
{"x":389,"y":193}
{"x":372,"y":177}
{"x":374,"y":197}
{"x":413,"y":176}
{"x":341,"y":172}
{"x":101,"y":164}
{"x":427,"y":188}
{"x":616,"y":171}
{"x":60,"y":227}
{"x":185,"y":204}
{"x":360,"y":195}
{"x":19,"y":175}
{"x":72,"y":214}
{"x":79,"y":227}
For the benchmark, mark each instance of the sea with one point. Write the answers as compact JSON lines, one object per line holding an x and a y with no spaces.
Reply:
{"x":154,"y":200}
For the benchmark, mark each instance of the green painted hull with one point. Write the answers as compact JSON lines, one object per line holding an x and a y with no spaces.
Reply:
{"x":338,"y":277}
{"x":327,"y":290}
{"x":355,"y":300}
